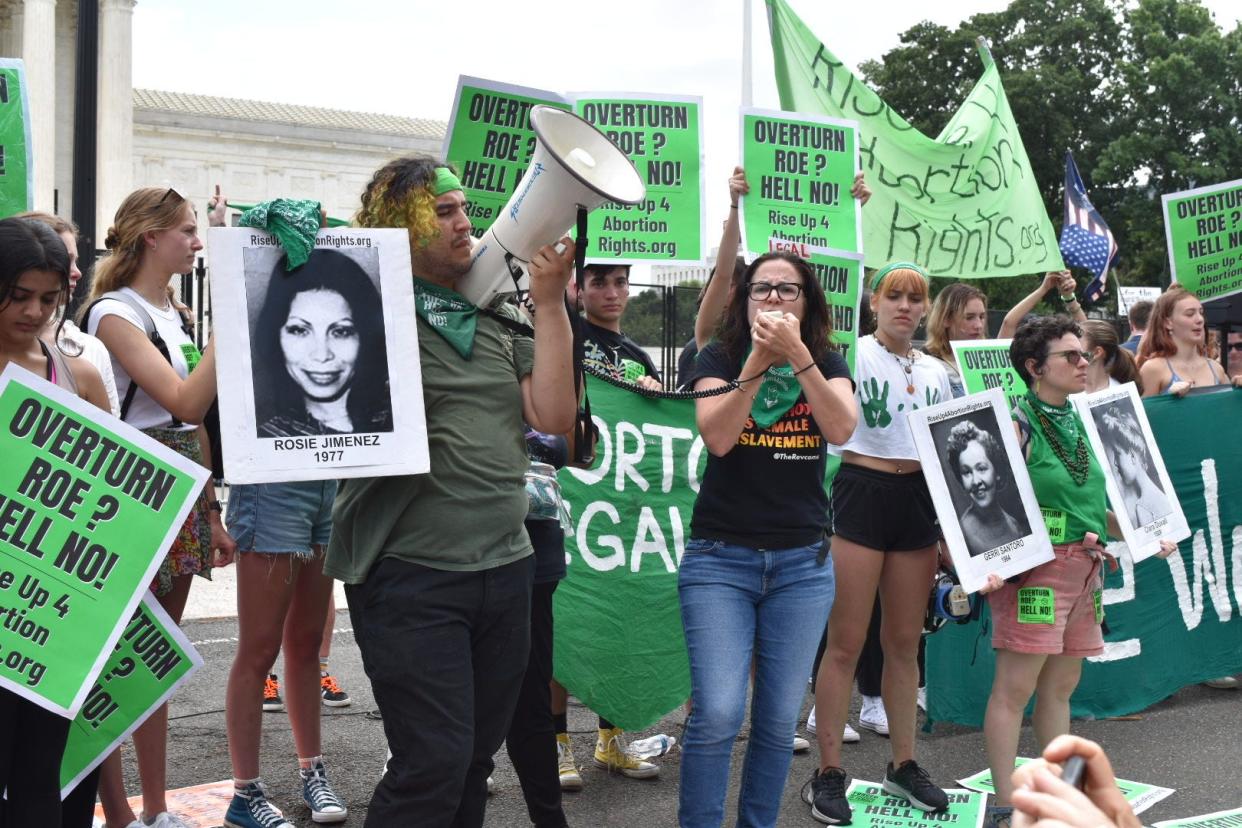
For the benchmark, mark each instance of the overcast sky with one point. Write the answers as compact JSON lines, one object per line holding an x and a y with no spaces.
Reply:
{"x":400,"y":56}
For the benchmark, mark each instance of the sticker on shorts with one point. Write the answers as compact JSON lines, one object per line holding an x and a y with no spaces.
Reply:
{"x":1037,"y":605}
{"x":190,"y":351}
{"x":1057,"y":524}
{"x":1098,"y":600}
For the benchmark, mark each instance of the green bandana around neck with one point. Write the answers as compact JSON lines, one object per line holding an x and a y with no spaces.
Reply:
{"x":446,"y":181}
{"x":778,"y":392}
{"x":449,"y":313}
{"x":294,"y":223}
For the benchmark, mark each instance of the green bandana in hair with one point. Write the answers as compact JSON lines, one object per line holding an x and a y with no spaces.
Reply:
{"x":294,"y":223}
{"x":778,"y":392}
{"x":446,"y":181}
{"x":453,"y":317}
{"x":889,"y":268}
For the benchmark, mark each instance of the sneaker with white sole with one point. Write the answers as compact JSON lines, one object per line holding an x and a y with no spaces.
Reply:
{"x":165,"y":820}
{"x":331,"y":692}
{"x":250,"y":809}
{"x":923,"y":698}
{"x":324,"y":804}
{"x":272,"y":702}
{"x":800,"y":745}
{"x":1222,"y":683}
{"x":850,"y":736}
{"x":873,"y":716}
{"x":810,"y":721}
{"x":912,"y":782}
{"x":825,"y":793}
{"x":611,"y":753}
{"x":567,"y":766}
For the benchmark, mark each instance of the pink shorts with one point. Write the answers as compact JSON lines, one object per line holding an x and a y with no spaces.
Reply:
{"x":1055,"y":608}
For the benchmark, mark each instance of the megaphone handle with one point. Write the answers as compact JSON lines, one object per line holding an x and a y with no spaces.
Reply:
{"x":580,"y":246}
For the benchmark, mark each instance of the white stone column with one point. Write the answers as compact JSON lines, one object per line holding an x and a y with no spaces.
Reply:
{"x":39,"y":53}
{"x":115,"y":133}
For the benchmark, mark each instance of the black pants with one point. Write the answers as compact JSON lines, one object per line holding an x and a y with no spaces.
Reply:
{"x":870,"y":669}
{"x":532,"y":738}
{"x":32,"y":744}
{"x":445,"y":653}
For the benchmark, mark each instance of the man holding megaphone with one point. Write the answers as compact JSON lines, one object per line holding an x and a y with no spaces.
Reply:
{"x":438,"y":567}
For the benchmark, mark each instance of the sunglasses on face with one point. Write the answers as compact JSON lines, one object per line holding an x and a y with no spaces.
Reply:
{"x":1073,"y":357}
{"x":785,"y":291}
{"x":1234,"y":346}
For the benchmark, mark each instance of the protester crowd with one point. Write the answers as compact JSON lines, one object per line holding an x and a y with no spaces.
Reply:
{"x":450,"y":576}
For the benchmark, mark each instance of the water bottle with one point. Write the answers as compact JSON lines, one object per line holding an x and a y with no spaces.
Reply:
{"x":652,"y":746}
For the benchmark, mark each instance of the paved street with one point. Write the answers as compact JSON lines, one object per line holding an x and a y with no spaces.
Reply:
{"x":1191,"y":742}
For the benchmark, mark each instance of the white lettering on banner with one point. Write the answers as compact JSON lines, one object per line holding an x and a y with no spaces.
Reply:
{"x":692,"y":461}
{"x":649,"y":539}
{"x":627,"y":458}
{"x":1130,"y":647}
{"x":603,"y":449}
{"x":617,"y":558}
{"x":627,"y":461}
{"x":666,"y":435}
{"x":1205,"y":567}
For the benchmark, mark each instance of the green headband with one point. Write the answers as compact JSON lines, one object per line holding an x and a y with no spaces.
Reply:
{"x":446,"y":181}
{"x":887,"y":269}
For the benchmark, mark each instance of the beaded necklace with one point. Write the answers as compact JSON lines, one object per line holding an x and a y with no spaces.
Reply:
{"x":1058,"y":423}
{"x":907,"y":366}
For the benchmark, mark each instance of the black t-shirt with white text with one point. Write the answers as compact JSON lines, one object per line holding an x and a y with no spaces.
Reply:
{"x":609,"y":351}
{"x":768,"y":491}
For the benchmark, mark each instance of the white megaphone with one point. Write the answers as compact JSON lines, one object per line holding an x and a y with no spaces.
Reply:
{"x":574,"y":166}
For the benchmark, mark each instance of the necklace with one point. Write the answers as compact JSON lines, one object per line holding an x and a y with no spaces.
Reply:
{"x":907,"y":366}
{"x":1064,"y":425}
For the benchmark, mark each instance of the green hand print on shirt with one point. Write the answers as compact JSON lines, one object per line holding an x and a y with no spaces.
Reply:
{"x":875,"y":404}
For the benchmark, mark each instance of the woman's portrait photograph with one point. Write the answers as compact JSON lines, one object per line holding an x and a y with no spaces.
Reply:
{"x":318,"y":351}
{"x":972,"y":456}
{"x":1125,"y":449}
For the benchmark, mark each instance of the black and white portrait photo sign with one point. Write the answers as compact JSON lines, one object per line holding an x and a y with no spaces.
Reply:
{"x":1139,"y":490}
{"x":318,"y":366}
{"x":980,"y":487}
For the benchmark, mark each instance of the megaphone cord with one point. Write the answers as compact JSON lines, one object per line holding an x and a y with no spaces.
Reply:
{"x":652,"y":394}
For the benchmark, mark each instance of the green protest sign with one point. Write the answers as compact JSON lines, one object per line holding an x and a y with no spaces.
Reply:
{"x":984,"y":364}
{"x":16,"y":170}
{"x":963,"y":204}
{"x":800,"y":169}
{"x":1171,"y":622}
{"x":1140,"y":795}
{"x":490,"y":142}
{"x":1203,"y":232}
{"x":840,"y":273}
{"x":88,"y":506}
{"x":1220,"y":819}
{"x":875,"y":807}
{"x":663,"y":136}
{"x":152,"y":659}
{"x":619,"y":644}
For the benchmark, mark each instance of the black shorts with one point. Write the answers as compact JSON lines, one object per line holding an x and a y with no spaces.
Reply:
{"x":882,"y":510}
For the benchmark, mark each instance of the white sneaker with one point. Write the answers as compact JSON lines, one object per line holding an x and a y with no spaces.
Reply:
{"x":873,"y":715}
{"x":491,"y":785}
{"x":850,"y":736}
{"x":1222,"y":683}
{"x":810,"y":721}
{"x":923,"y":698}
{"x":801,"y":745}
{"x":165,"y":820}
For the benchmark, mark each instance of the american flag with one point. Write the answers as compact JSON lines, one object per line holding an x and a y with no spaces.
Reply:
{"x":1086,"y":240}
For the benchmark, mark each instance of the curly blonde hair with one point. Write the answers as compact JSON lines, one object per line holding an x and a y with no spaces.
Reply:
{"x":400,"y":194}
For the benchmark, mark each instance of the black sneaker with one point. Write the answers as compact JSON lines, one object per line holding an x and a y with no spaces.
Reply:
{"x":825,"y":793}
{"x":272,"y":702}
{"x":914,"y":784}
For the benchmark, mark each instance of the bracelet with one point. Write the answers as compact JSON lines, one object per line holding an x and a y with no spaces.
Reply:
{"x":807,"y":368}
{"x":737,"y":383}
{"x":732,"y":206}
{"x":1068,"y":299}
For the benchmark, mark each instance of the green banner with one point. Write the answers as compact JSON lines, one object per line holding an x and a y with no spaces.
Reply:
{"x":490,"y":141}
{"x":1203,"y":231}
{"x":1140,"y":795}
{"x":984,"y":364}
{"x":1220,"y":819}
{"x":964,"y":204}
{"x":88,"y":506}
{"x":16,"y":169}
{"x":800,"y":169}
{"x":152,"y":659}
{"x":1171,"y":622}
{"x":619,"y":645}
{"x":875,"y":807}
{"x":663,"y":136}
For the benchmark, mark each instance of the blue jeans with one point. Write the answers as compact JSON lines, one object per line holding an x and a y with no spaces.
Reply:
{"x":737,"y":602}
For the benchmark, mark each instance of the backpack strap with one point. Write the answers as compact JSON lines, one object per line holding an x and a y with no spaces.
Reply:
{"x":153,"y":334}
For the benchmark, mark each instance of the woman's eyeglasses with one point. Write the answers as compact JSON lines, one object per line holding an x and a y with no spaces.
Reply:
{"x":785,"y":291}
{"x":1073,"y":357}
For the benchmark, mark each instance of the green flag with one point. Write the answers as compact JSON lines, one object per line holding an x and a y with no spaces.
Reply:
{"x":964,"y":204}
{"x":16,"y":171}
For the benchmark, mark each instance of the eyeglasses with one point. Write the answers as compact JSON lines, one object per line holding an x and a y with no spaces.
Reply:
{"x":785,"y":291}
{"x":1073,"y":357}
{"x":1234,"y":346}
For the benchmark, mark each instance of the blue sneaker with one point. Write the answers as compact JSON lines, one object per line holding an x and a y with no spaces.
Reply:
{"x":324,"y":804}
{"x":250,"y":809}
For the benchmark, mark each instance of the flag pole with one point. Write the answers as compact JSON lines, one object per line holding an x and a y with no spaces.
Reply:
{"x":985,"y":51}
{"x":747,"y":86}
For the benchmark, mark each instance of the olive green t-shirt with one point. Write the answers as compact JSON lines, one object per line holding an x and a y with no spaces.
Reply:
{"x":467,"y":513}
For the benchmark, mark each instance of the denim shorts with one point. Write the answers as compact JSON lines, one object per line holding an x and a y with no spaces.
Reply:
{"x":281,"y":518}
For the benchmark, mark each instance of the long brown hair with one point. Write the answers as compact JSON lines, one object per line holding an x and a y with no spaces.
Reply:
{"x":949,"y":306}
{"x":148,"y":210}
{"x":1157,"y":342}
{"x":1118,"y":362}
{"x":816,"y":324}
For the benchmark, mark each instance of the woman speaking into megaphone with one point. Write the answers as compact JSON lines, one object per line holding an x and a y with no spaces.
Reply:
{"x":756,"y":580}
{"x":438,"y":567}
